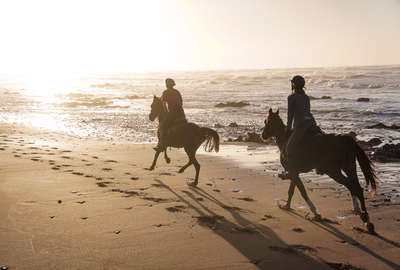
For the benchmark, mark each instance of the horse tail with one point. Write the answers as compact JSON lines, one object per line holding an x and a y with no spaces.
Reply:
{"x":367,"y":167}
{"x":212,"y":139}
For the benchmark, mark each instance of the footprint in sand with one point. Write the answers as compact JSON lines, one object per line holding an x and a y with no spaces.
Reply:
{"x":17,"y":156}
{"x":298,"y":229}
{"x":2,"y":149}
{"x":89,"y":164}
{"x":111,"y":161}
{"x":95,"y":157}
{"x":77,"y":173}
{"x":66,"y":157}
{"x":176,"y":208}
{"x":106,"y":169}
{"x":102,"y":184}
{"x":246,"y":199}
{"x":134,"y":178}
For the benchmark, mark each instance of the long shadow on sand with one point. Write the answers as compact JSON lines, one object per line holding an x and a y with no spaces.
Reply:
{"x":329,"y":228}
{"x":259,"y":244}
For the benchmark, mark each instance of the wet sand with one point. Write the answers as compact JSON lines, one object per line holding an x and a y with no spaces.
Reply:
{"x":73,"y":203}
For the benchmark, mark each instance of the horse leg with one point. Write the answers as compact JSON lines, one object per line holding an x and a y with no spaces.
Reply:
{"x":290,"y":195}
{"x":154,"y":160}
{"x":181,"y":170}
{"x":191,"y":152}
{"x":167,"y":159}
{"x":358,"y":193}
{"x":296,"y":179}
{"x":352,"y":184}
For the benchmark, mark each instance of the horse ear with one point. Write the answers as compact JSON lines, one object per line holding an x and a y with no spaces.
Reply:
{"x":270,"y":111}
{"x":277,"y":111}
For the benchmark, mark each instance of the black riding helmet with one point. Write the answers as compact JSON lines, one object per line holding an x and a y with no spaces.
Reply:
{"x":298,"y":82}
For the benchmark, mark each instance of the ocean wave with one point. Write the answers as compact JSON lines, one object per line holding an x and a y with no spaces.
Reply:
{"x":358,"y":85}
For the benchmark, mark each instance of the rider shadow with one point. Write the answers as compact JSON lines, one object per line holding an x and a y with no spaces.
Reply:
{"x":258,"y":243}
{"x":326,"y":226}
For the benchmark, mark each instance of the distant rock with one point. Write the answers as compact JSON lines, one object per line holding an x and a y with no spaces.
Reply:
{"x":323,"y":97}
{"x":217,"y":125}
{"x":387,"y":153}
{"x":239,"y":139}
{"x":233,"y":124}
{"x":368,"y":145}
{"x":253,"y":137}
{"x":363,"y":99}
{"x":232,"y":104}
{"x":381,"y":125}
{"x":375,"y":141}
{"x":352,"y":134}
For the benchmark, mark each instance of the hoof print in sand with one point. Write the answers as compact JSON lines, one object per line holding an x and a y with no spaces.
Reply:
{"x":176,"y":208}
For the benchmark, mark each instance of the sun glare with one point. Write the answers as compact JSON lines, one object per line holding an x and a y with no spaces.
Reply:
{"x":48,"y":84}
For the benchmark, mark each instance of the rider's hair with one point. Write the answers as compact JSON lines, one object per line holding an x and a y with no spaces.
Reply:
{"x":170,"y":82}
{"x":298,"y":84}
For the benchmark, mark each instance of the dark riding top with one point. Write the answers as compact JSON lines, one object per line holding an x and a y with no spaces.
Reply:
{"x":173,"y":99}
{"x":299,"y":111}
{"x":174,"y":102}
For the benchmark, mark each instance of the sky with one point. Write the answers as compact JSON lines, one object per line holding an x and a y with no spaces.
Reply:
{"x":168,"y":35}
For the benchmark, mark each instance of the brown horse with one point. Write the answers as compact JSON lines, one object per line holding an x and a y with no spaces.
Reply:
{"x":187,"y":135}
{"x":331,"y":154}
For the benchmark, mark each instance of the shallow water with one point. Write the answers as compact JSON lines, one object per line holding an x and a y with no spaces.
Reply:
{"x":117,"y":105}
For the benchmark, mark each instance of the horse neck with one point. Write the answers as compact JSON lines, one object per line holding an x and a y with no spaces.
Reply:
{"x":281,"y":137}
{"x":162,"y":114}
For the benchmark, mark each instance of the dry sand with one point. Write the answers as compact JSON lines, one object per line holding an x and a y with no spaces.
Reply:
{"x":72,"y":203}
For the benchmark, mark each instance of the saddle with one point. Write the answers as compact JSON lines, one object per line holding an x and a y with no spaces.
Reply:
{"x":178,"y":122}
{"x":308,"y":137}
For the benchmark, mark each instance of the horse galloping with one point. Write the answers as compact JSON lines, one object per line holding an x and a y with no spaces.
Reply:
{"x":187,"y":135}
{"x":331,"y":154}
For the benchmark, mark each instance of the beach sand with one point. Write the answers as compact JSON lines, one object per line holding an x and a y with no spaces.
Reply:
{"x":85,"y":203}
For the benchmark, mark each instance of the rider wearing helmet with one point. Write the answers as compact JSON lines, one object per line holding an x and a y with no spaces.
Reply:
{"x":173,"y":101}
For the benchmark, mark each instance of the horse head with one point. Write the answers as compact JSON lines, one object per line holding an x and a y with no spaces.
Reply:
{"x":156,"y":108}
{"x":273,"y":125}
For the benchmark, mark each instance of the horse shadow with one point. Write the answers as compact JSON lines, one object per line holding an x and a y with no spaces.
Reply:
{"x":258,"y":243}
{"x":326,"y":226}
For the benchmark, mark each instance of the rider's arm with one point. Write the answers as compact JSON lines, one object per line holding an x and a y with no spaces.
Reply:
{"x":164,"y":100}
{"x":291,"y":110}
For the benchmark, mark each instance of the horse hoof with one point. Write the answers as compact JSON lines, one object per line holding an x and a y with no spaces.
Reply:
{"x":168,"y":161}
{"x":192,"y":184}
{"x":284,"y":207}
{"x":317,"y":217}
{"x":371,"y":228}
{"x":151,"y":168}
{"x":181,"y":171}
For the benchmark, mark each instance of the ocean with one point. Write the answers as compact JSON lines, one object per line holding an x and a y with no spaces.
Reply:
{"x":117,"y":105}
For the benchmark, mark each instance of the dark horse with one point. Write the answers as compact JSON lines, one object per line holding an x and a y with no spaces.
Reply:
{"x":331,"y":154}
{"x":187,"y":135}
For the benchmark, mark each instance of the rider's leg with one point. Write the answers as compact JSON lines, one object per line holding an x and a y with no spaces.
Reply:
{"x":163,"y":132}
